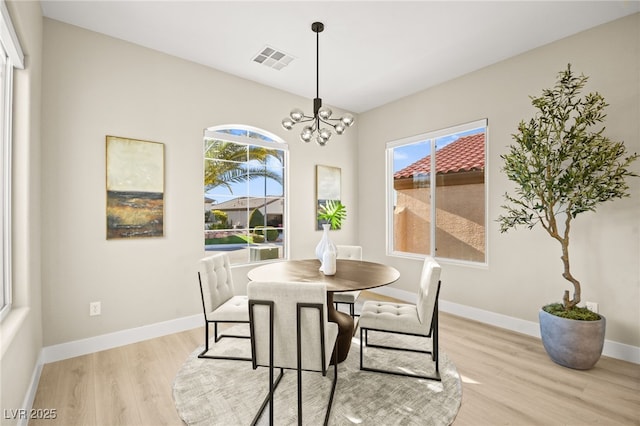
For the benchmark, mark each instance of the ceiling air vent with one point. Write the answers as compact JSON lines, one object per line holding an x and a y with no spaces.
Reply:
{"x":273,"y":58}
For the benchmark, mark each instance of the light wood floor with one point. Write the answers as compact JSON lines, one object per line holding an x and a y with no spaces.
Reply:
{"x":507,"y":380}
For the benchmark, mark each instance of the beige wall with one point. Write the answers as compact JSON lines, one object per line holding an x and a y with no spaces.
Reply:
{"x":94,"y":86}
{"x":524,"y":267}
{"x":22,"y":330}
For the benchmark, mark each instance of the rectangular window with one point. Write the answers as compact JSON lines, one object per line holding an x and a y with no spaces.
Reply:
{"x":437,"y":196}
{"x":11,"y":57}
{"x":244,"y":197}
{"x":5,"y":230}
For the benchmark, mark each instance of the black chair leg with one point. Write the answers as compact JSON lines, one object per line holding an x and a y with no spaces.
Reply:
{"x":216,"y":339}
{"x":206,"y":341}
{"x":268,"y":399}
{"x":434,"y":355}
{"x":206,"y":337}
{"x":352,"y":308}
{"x":333,"y":386}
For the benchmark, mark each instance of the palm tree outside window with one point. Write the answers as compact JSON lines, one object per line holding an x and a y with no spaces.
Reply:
{"x":244,"y":194}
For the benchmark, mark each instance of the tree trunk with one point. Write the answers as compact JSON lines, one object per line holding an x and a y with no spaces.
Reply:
{"x":569,"y":303}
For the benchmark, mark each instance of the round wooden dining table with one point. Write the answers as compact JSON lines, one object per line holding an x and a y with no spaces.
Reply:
{"x":350,"y":275}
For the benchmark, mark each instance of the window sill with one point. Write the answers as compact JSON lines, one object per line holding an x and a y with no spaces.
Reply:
{"x":440,"y":260}
{"x":10,"y":327}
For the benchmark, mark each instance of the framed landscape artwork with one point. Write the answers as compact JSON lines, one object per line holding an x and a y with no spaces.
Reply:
{"x":328,"y":187}
{"x":135,"y":188}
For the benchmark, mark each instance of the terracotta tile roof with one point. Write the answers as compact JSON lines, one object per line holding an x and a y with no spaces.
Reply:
{"x":464,"y":155}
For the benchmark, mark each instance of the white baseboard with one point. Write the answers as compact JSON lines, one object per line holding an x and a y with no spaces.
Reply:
{"x":119,"y":338}
{"x":30,"y":396}
{"x":621,"y":351}
{"x":611,"y":349}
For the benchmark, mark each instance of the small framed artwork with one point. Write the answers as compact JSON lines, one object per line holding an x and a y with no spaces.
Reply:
{"x":328,"y":187}
{"x":135,"y":188}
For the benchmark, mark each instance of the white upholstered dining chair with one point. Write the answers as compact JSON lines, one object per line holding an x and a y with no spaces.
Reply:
{"x":348,"y":297}
{"x":420,"y":320}
{"x":219,"y":303}
{"x":277,"y":341}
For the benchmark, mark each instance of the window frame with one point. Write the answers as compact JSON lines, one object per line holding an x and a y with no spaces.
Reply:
{"x":14,"y":58}
{"x":390,"y":192}
{"x":274,"y":142}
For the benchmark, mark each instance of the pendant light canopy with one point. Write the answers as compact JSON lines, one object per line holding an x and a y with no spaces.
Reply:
{"x":321,"y":115}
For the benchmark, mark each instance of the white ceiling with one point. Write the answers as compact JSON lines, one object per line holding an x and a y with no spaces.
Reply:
{"x":371,"y":52}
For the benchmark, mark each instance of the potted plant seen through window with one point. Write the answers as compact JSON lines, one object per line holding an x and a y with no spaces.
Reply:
{"x":563,"y":165}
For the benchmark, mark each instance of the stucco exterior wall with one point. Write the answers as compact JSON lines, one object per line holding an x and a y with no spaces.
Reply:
{"x":460,"y":219}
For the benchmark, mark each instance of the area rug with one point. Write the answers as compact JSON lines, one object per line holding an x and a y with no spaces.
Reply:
{"x":224,"y":392}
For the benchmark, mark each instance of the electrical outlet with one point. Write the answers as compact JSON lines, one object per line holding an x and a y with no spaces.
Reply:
{"x":94,"y":308}
{"x":592,"y":306}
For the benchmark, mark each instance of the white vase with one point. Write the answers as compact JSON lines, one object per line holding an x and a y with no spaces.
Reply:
{"x":328,"y":262}
{"x":325,"y":243}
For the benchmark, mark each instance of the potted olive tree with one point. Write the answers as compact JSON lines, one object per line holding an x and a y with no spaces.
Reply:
{"x":563,"y":165}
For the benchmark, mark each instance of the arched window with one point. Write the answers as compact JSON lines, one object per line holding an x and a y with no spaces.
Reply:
{"x":245,"y":206}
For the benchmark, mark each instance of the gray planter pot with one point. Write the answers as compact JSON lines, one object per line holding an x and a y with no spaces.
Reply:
{"x":571,"y":343}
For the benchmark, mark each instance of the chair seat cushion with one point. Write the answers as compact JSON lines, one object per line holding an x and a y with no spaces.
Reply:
{"x":234,"y":309}
{"x":346,"y":296}
{"x":395,"y":317}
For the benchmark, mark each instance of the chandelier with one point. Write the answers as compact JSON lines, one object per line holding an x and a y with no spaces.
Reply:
{"x":321,"y":115}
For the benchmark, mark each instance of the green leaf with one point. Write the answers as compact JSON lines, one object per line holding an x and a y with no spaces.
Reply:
{"x":333,"y":212}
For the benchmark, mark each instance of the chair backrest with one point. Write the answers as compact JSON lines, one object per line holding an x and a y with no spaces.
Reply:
{"x":314,"y":324}
{"x":428,"y":292}
{"x":216,"y":281}
{"x":349,"y":252}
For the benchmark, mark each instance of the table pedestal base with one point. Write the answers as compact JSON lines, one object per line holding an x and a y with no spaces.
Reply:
{"x":345,"y":328}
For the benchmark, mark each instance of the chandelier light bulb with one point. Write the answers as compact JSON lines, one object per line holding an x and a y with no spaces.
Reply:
{"x":340,"y":128}
{"x":325,"y":113}
{"x":287,"y":123}
{"x":307,"y":133}
{"x":296,"y":115}
{"x":347,"y":120}
{"x":325,"y":133}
